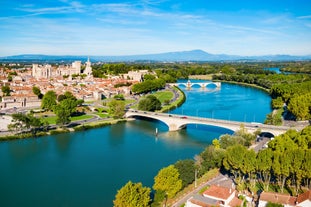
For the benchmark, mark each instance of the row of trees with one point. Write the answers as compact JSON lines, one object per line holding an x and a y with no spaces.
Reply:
{"x":173,"y":178}
{"x":285,"y":164}
{"x":148,"y":86}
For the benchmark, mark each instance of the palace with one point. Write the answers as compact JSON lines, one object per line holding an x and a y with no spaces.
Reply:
{"x":47,"y":71}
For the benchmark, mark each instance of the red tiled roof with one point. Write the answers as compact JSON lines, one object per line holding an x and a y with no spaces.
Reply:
{"x":278,"y":198}
{"x":304,"y":196}
{"x":219,"y":192}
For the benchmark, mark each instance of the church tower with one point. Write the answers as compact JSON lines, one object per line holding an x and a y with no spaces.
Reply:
{"x":88,"y":68}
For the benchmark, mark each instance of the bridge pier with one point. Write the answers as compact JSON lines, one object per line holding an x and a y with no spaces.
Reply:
{"x":174,"y":127}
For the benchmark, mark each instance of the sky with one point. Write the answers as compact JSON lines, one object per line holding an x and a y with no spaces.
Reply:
{"x":114,"y":27}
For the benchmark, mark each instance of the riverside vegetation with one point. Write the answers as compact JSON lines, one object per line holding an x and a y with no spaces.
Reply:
{"x":270,"y":169}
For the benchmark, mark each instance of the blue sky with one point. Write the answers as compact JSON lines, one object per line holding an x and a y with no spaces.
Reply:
{"x":113,"y":27}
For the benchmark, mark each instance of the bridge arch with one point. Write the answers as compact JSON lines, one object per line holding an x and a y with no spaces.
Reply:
{"x":145,"y":116}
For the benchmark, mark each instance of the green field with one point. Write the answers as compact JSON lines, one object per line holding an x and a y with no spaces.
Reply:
{"x":163,"y":95}
{"x":52,"y":119}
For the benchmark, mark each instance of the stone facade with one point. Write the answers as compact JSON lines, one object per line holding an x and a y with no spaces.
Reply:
{"x":47,"y":71}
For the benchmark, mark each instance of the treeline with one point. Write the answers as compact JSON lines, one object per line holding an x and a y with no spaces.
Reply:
{"x":102,"y":70}
{"x":284,"y":165}
{"x":293,"y":90}
{"x":297,"y":97}
{"x":297,"y":67}
{"x":173,"y":178}
{"x":148,"y":85}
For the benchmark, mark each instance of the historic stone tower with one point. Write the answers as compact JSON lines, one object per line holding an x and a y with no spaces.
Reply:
{"x":39,"y":71}
{"x":88,"y":68}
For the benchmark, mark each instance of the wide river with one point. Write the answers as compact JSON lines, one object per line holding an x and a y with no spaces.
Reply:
{"x":87,"y":168}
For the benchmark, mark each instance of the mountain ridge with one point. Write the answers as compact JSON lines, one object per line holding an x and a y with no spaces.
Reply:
{"x":178,"y":56}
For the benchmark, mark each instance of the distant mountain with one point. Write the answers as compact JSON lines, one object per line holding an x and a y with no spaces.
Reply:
{"x":193,"y":55}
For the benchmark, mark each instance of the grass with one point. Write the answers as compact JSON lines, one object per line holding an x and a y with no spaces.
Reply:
{"x":52,"y":119}
{"x":164,"y":95}
{"x":102,"y":115}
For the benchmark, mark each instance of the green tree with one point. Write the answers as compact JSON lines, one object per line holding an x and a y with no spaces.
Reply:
{"x":150,"y":103}
{"x":63,"y":111}
{"x":186,"y":169}
{"x":117,"y":108}
{"x":264,"y":164}
{"x":234,"y":161}
{"x":132,"y":195}
{"x":6,"y":90}
{"x":277,"y":103}
{"x":49,"y":100}
{"x":21,"y":122}
{"x":37,"y":92}
{"x":168,"y":181}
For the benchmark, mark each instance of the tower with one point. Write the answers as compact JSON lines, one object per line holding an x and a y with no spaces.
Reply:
{"x":88,"y":68}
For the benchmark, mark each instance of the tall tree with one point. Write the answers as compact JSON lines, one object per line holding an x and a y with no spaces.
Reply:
{"x":117,"y":108}
{"x":63,"y":111}
{"x":264,"y":163}
{"x":49,"y":100}
{"x":186,"y":169}
{"x":37,"y":92}
{"x":132,"y":195}
{"x":168,"y":180}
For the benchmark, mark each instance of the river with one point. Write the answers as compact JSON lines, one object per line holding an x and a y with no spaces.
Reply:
{"x":87,"y":168}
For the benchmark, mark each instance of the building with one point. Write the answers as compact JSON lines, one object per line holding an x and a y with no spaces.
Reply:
{"x":215,"y":196}
{"x":302,"y":200}
{"x":47,"y":71}
{"x":88,"y":68}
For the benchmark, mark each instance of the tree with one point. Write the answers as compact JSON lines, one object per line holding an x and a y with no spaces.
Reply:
{"x":277,"y":103}
{"x":186,"y":169}
{"x":116,"y":108}
{"x":6,"y":90}
{"x":132,"y":195}
{"x":63,"y":111}
{"x":264,"y":164}
{"x":49,"y":100}
{"x":21,"y":122}
{"x":168,"y":181}
{"x":234,"y":161}
{"x":37,"y":92}
{"x":150,"y":103}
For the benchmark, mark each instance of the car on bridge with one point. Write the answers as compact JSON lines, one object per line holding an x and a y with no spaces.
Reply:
{"x":183,"y":117}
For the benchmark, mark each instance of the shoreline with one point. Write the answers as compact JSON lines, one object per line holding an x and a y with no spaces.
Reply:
{"x":8,"y":136}
{"x":208,"y":77}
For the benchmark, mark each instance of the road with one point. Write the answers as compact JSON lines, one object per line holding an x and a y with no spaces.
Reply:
{"x":221,"y":179}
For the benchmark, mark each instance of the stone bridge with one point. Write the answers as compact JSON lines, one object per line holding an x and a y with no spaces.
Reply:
{"x":176,"y":122}
{"x":202,"y":85}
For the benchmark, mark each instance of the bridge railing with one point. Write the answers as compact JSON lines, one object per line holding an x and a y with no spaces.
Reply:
{"x":212,"y":120}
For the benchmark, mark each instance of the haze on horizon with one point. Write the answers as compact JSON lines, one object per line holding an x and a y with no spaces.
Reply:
{"x":114,"y":27}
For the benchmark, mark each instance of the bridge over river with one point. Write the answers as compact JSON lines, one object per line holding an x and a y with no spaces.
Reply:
{"x":202,"y":85}
{"x":176,"y":122}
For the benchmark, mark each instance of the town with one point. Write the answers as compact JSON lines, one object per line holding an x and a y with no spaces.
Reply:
{"x":76,"y":78}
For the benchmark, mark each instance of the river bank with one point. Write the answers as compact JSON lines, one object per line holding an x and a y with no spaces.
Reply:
{"x":5,"y":135}
{"x":209,"y":77}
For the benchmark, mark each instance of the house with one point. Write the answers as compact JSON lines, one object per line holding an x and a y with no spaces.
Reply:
{"x":304,"y":199}
{"x":215,"y":196}
{"x":286,"y":200}
{"x":201,"y":201}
